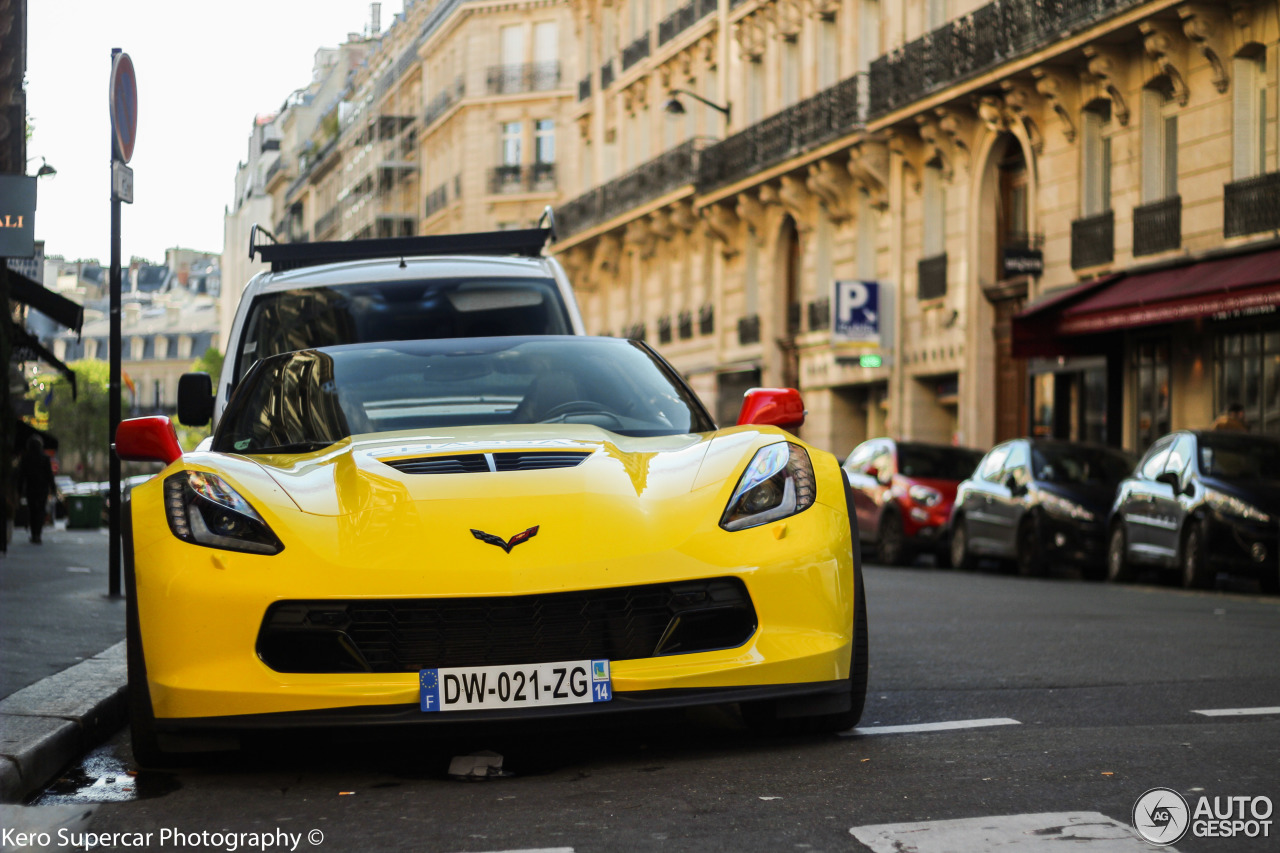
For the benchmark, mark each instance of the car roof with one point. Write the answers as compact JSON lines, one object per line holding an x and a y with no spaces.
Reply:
{"x":406,"y":269}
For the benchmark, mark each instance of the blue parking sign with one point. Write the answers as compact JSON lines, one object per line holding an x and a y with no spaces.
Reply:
{"x":856,"y":318}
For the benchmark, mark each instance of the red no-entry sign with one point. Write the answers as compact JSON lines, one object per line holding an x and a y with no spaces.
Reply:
{"x":123,"y":96}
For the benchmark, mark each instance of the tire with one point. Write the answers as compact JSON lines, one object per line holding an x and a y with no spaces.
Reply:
{"x":1193,"y":560}
{"x":1030,"y":557}
{"x":960,"y":557}
{"x":1119,"y":570}
{"x":147,"y":751}
{"x":891,"y":542}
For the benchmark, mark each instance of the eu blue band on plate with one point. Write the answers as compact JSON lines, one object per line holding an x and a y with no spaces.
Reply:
{"x":429,"y":682}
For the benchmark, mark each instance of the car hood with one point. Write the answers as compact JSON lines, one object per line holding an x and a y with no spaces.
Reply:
{"x":1264,"y":494}
{"x":1095,"y":497}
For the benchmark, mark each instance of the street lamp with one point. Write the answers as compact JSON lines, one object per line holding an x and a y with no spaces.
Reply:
{"x":45,"y":170}
{"x":676,"y":107}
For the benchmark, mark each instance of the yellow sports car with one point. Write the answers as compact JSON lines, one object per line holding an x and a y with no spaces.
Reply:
{"x":486,"y":529}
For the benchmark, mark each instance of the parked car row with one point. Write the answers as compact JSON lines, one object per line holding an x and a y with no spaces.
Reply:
{"x":1197,"y":503}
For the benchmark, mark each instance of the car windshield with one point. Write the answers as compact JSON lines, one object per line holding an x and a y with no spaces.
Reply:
{"x":1079,"y":464}
{"x":1239,"y":457}
{"x":291,"y":320}
{"x":306,"y":400}
{"x":938,"y":463}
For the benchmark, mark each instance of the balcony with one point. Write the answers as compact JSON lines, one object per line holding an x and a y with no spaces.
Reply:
{"x":441,"y":103}
{"x":1251,"y":206}
{"x":828,"y":115}
{"x":1157,"y":227}
{"x":706,"y":319}
{"x":584,"y":88}
{"x":436,"y":200}
{"x":526,"y":77}
{"x":932,"y":273}
{"x":659,"y":176}
{"x":991,"y":35}
{"x":606,"y":75}
{"x":636,"y":51}
{"x":532,"y":178}
{"x":1093,"y":240}
{"x":749,"y":330}
{"x":677,"y":22}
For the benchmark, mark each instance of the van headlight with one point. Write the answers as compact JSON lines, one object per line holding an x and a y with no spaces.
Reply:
{"x":778,"y":483}
{"x":203,"y":509}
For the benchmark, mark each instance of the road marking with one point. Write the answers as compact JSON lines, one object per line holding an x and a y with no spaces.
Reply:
{"x":931,"y":727}
{"x":1237,"y":712}
{"x":1028,"y":833}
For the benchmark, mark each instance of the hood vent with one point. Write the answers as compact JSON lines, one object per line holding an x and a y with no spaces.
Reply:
{"x":479,"y":463}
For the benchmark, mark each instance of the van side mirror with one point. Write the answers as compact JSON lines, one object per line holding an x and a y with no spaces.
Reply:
{"x":780,"y":407}
{"x":150,"y":439}
{"x":1170,"y":479}
{"x":195,"y":399}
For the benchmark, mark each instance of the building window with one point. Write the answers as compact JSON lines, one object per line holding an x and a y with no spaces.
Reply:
{"x":1095,"y":196}
{"x":935,"y":14}
{"x":1249,"y":134}
{"x":934,"y":199}
{"x":1159,"y":145}
{"x":790,"y":73}
{"x":755,"y":92}
{"x":1247,"y":371}
{"x":544,"y":140}
{"x":868,"y":33}
{"x":828,"y":53}
{"x":1151,"y":383}
{"x":512,"y":44}
{"x":868,"y":228}
{"x":511,"y":133}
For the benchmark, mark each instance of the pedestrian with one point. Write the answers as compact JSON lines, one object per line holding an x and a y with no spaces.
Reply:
{"x":35,"y":480}
{"x":1233,"y":420}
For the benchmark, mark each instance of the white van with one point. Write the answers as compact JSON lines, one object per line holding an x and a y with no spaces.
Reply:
{"x":402,"y":288}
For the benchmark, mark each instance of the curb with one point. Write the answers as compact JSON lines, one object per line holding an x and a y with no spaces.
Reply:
{"x":45,"y":726}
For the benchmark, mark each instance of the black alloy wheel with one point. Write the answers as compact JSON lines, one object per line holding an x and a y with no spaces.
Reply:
{"x":891,"y":541}
{"x":1118,"y":568}
{"x":1030,"y":556}
{"x":960,"y":557}
{"x":1196,"y":573}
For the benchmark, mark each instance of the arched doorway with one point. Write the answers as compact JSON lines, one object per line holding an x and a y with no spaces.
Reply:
{"x":1006,"y":211}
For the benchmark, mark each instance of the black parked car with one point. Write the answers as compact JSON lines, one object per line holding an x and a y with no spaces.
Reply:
{"x":1199,"y":503}
{"x":1035,"y":501}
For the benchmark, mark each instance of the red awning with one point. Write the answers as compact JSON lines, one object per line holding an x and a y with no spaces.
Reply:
{"x":1230,"y":286}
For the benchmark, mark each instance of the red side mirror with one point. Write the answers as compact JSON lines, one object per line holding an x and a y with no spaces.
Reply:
{"x":780,"y":407}
{"x":147,"y":440}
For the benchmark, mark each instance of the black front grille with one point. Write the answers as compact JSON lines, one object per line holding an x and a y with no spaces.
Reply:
{"x":406,"y":635}
{"x":478,"y":463}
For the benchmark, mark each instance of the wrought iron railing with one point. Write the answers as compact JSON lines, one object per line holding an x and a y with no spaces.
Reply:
{"x":436,"y":200}
{"x":932,"y":275}
{"x":820,"y":315}
{"x":636,"y":51}
{"x":831,"y":113}
{"x":1251,"y":206}
{"x":707,"y":319}
{"x":985,"y":38}
{"x":749,"y":330}
{"x":440,"y":103}
{"x":661,"y":175}
{"x":1157,"y":227}
{"x":684,"y":325}
{"x":1093,"y":240}
{"x":584,"y":88}
{"x":525,"y":77}
{"x":664,"y":330}
{"x":535,"y":177}
{"x":677,"y":22}
{"x":606,"y":75}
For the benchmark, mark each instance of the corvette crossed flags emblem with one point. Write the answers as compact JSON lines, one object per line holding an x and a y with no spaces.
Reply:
{"x":505,"y":545}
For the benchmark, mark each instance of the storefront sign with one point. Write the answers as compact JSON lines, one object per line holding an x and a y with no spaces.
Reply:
{"x":1019,"y":260}
{"x":855,"y":321}
{"x":17,"y":216}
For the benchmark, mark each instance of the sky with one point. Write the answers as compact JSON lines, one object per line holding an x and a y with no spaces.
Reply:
{"x":204,"y":70}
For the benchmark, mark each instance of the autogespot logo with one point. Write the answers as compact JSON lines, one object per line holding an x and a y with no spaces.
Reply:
{"x":1161,"y":816}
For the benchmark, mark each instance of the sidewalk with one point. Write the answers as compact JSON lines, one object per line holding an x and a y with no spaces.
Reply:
{"x":62,"y":666}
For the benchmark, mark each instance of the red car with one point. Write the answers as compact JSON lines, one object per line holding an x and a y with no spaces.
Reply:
{"x":902,"y":492}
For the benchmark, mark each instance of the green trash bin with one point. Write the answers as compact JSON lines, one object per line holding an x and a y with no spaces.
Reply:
{"x":84,"y":511}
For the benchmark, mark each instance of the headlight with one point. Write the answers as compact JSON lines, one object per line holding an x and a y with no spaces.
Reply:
{"x":1060,"y":506}
{"x":204,"y":510}
{"x":1232,"y":505}
{"x":924,"y":495}
{"x":777,"y":483}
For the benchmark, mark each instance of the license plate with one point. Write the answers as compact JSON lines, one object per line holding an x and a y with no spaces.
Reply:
{"x":477,"y":688}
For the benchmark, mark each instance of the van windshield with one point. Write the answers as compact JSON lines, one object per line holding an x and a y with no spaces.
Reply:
{"x":291,"y":320}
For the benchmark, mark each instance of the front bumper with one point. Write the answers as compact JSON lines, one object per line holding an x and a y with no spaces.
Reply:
{"x":1241,"y":545}
{"x":1074,"y":541}
{"x":201,"y":610}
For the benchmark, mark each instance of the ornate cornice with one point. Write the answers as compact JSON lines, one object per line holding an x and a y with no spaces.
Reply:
{"x":1208,"y":28}
{"x":1165,"y":45}
{"x":833,"y":187}
{"x":1062,"y":94}
{"x":1107,"y":66}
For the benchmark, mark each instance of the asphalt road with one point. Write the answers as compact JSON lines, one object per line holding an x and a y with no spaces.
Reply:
{"x":1085,"y":693}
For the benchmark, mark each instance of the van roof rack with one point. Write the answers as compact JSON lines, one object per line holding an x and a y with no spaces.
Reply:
{"x":527,"y":242}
